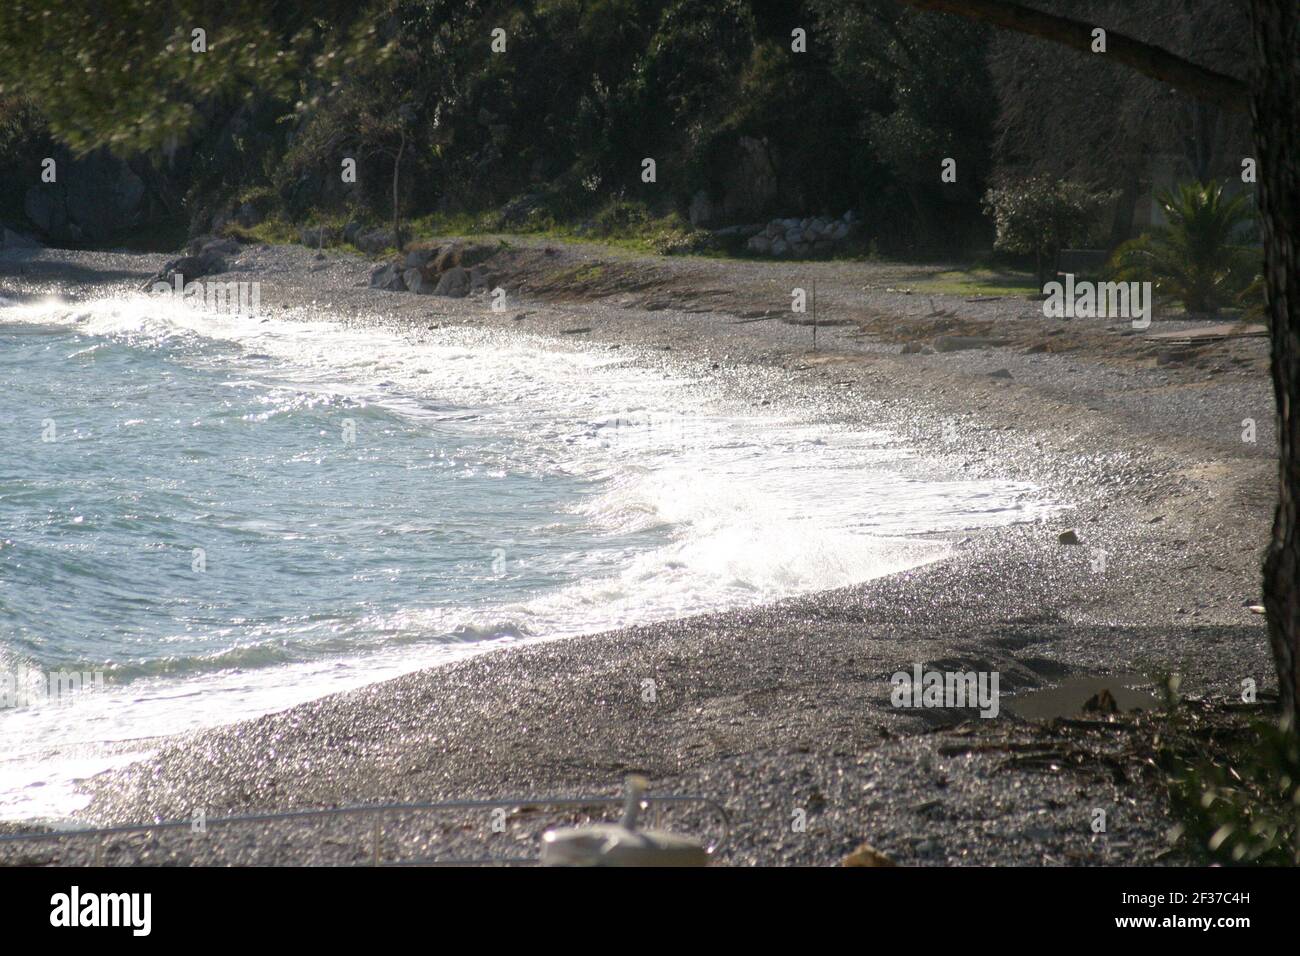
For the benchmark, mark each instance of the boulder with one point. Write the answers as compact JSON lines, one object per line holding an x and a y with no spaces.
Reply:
{"x":376,"y":241}
{"x":351,"y":231}
{"x":416,"y":258}
{"x":779,"y":247}
{"x":521,"y":209}
{"x":196,"y":244}
{"x":219,"y":248}
{"x":188,"y":268}
{"x":481,"y":280}
{"x":388,"y":277}
{"x":760,"y":244}
{"x":454,"y":283}
{"x":247,"y":215}
{"x":416,"y":282}
{"x":465,"y":256}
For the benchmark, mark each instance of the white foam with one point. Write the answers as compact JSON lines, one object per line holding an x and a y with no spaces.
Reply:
{"x":760,"y":507}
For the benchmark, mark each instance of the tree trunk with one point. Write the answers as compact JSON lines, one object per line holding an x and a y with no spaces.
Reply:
{"x":397,"y":168}
{"x":1275,"y":106}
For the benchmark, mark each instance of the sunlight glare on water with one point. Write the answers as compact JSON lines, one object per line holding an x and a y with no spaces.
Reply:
{"x":232,"y":515}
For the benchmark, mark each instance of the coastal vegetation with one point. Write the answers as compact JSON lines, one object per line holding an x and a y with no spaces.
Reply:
{"x":1200,"y":258}
{"x":817,"y":128}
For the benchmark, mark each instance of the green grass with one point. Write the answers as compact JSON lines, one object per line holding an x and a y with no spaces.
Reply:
{"x":635,"y":229}
{"x":273,"y":231}
{"x":977,"y":281}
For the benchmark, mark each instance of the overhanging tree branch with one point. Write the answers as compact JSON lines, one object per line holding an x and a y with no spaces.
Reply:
{"x":1220,"y":89}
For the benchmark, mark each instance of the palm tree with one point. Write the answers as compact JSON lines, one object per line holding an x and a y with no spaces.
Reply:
{"x":1196,"y":259}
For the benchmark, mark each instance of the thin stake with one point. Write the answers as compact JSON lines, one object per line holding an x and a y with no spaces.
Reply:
{"x":814,"y":298}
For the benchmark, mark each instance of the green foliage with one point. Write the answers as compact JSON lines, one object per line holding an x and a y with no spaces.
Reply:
{"x":921,"y":93}
{"x":1041,"y":215}
{"x":561,"y":122}
{"x":1244,"y":807}
{"x":1198,"y":258}
{"x":1253,"y":299}
{"x":126,"y":77}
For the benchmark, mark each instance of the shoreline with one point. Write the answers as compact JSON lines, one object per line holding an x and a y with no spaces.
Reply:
{"x":786,"y":707}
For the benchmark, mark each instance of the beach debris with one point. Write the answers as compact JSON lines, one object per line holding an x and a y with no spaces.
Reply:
{"x":208,"y":260}
{"x":621,"y":844}
{"x":1103,"y":702}
{"x":962,"y":343}
{"x":867,"y":855}
{"x":1000,"y":373}
{"x":1257,"y":609}
{"x":1210,"y":334}
{"x":1069,"y":536}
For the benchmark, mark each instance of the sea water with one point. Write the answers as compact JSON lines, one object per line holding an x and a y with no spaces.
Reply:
{"x":223,"y":516}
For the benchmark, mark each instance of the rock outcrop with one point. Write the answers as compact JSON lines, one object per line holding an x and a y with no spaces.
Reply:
{"x":454,"y":270}
{"x":92,"y":199}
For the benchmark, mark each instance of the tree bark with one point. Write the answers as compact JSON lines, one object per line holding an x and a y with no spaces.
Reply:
{"x":1275,"y":109}
{"x":397,"y":168}
{"x":1205,"y":84}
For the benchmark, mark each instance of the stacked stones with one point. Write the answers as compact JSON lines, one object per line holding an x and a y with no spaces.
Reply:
{"x":802,"y":237}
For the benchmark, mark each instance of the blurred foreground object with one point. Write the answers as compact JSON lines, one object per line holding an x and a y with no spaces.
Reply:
{"x":621,"y":844}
